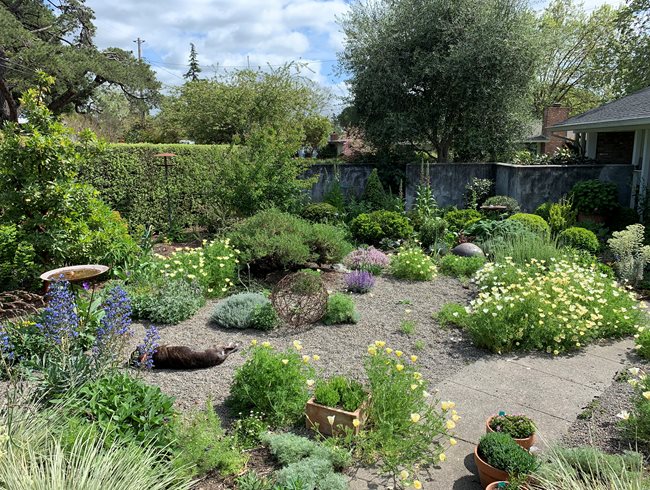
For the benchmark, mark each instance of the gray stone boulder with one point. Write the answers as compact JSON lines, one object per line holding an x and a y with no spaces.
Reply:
{"x":467,"y":250}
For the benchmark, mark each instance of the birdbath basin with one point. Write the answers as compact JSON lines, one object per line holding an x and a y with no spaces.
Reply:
{"x":74,"y":273}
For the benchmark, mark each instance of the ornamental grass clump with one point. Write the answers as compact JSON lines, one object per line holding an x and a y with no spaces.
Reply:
{"x":273,"y":383}
{"x":413,"y":264}
{"x":555,"y":306}
{"x":405,"y":430}
{"x":367,"y":259}
{"x":359,"y":281}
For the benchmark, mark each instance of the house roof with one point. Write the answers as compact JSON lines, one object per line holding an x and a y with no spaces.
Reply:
{"x":534,"y":133}
{"x":633,"y":110}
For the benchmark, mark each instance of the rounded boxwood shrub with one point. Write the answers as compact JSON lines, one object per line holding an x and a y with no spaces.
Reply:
{"x":511,"y":204}
{"x":245,"y":310}
{"x":502,"y":452}
{"x":533,"y":223}
{"x":459,"y":219}
{"x":372,"y":228}
{"x":579,"y":238}
{"x":320,"y":212}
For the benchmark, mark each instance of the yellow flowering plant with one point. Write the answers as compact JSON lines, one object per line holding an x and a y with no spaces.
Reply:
{"x":636,"y":425}
{"x":413,"y":264}
{"x":555,"y":306}
{"x":213,"y":266}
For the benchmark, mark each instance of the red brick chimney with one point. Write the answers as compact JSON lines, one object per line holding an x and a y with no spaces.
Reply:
{"x":553,"y":115}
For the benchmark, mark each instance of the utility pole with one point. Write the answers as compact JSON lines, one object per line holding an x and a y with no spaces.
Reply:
{"x":140,"y":43}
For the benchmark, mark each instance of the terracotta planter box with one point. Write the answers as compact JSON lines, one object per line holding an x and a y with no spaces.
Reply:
{"x":486,"y":473}
{"x":525,"y":443}
{"x":495,"y":485}
{"x":317,"y":414}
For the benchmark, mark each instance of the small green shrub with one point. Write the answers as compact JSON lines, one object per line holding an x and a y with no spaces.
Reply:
{"x":169,"y":302}
{"x":340,"y":309}
{"x":459,"y":219}
{"x":511,"y":204}
{"x":533,"y":223}
{"x":372,"y":228}
{"x":244,"y":310}
{"x":127,"y":409}
{"x":432,"y":231}
{"x":413,"y":264}
{"x":456,"y":266}
{"x":272,"y":383}
{"x":265,"y":317}
{"x":203,"y":446}
{"x":517,"y":426}
{"x":477,"y":191}
{"x":501,"y":451}
{"x":561,"y":215}
{"x":327,"y":244}
{"x":17,"y":260}
{"x":320,"y":212}
{"x":451,"y":314}
{"x":594,"y":197}
{"x":340,"y":392}
{"x":488,"y":229}
{"x":579,"y":238}
{"x":543,"y":210}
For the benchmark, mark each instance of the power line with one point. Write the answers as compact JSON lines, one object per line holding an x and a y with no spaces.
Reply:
{"x":312,"y":62}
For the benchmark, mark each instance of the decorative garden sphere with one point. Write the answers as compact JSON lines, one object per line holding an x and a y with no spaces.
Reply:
{"x":467,"y":250}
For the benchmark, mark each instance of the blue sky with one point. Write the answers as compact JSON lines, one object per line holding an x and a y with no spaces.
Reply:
{"x":234,"y":33}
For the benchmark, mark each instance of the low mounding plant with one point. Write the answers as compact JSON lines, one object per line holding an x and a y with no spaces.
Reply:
{"x":502,"y":452}
{"x":367,"y":259}
{"x":555,"y":306}
{"x":204,"y":447}
{"x":273,"y":383}
{"x":533,"y":223}
{"x":167,"y":302}
{"x":273,"y":240}
{"x":372,"y":228}
{"x":340,"y":392}
{"x":320,"y":212}
{"x":413,"y":264}
{"x":451,"y":314}
{"x":359,"y":281}
{"x":306,"y":463}
{"x":630,"y":253}
{"x":245,"y":310}
{"x":579,"y":238}
{"x":340,"y":309}
{"x":456,"y":266}
{"x":594,"y":197}
{"x":459,"y":219}
{"x":127,"y":409}
{"x":516,"y":426}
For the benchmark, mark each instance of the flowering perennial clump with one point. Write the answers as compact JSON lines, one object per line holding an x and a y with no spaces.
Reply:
{"x":213,"y":266}
{"x":6,"y":346}
{"x":145,"y":351}
{"x":413,"y":264}
{"x":636,"y":424}
{"x":555,"y":306}
{"x":359,"y":281}
{"x":59,"y":321}
{"x":367,"y":259}
{"x":115,"y":326}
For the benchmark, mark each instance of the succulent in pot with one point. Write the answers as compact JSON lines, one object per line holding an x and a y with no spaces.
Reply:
{"x":519,"y":427}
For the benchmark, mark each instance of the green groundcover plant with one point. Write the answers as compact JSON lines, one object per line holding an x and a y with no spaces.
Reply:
{"x":556,"y":306}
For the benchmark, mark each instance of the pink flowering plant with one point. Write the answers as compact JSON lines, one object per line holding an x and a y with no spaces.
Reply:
{"x":367,"y":259}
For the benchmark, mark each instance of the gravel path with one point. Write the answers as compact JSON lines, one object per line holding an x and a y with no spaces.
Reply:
{"x":341,"y":347}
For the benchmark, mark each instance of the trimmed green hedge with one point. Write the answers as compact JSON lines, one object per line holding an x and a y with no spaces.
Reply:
{"x":131,"y":181}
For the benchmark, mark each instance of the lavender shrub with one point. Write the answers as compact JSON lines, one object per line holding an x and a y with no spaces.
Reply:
{"x":360,"y":281}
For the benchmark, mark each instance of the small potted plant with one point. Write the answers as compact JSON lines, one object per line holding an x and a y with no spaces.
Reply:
{"x":499,"y":458}
{"x":338,"y":404}
{"x":519,"y":427}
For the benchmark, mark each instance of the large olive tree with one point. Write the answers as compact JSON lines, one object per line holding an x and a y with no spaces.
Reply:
{"x":449,"y":78}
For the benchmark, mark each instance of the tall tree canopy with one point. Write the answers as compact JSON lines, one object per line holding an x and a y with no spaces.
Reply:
{"x":56,"y":36}
{"x":194,"y":69}
{"x":452,"y":76}
{"x":634,"y":51}
{"x":577,"y":62}
{"x":223,"y":108}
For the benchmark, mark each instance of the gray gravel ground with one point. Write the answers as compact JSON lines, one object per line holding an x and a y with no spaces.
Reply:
{"x":340,"y":347}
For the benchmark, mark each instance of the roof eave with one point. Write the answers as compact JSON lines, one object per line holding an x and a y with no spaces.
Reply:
{"x":625,"y":123}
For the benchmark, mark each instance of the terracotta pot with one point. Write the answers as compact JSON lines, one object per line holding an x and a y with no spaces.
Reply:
{"x":316,"y":415}
{"x":596,"y":218}
{"x":494,"y":485}
{"x":486,"y":473}
{"x":525,"y":443}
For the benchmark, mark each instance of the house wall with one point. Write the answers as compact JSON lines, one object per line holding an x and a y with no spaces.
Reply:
{"x":615,"y":147}
{"x":531,"y":185}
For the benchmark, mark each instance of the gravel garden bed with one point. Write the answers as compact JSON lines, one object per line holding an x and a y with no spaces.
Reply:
{"x":341,"y":347}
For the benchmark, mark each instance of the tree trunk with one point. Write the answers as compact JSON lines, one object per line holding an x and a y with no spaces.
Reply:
{"x":443,"y":152}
